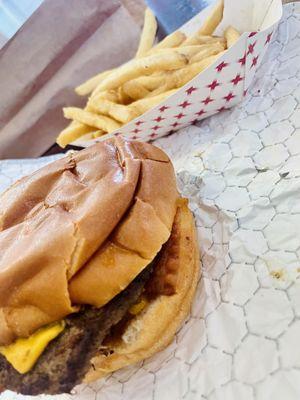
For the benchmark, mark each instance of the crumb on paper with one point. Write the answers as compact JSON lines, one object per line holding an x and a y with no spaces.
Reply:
{"x":278,"y":274}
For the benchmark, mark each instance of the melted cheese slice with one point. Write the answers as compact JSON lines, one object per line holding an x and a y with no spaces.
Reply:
{"x":138,"y":307}
{"x":24,"y":352}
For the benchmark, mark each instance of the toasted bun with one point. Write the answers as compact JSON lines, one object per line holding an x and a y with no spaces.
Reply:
{"x":79,"y":230}
{"x":154,"y":328}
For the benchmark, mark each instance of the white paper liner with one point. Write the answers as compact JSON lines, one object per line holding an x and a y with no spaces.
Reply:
{"x":241,"y":172}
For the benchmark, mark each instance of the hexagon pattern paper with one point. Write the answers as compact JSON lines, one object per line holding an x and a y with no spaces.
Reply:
{"x":241,"y":172}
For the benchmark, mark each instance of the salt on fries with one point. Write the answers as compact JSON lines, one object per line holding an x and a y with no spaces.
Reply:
{"x":119,"y":95}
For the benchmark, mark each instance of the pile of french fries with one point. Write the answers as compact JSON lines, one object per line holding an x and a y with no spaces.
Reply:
{"x":119,"y":95}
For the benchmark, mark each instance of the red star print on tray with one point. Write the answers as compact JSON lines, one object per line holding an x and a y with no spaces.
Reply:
{"x":159,"y":118}
{"x":242,"y":60}
{"x":175,"y":124}
{"x":207,"y":100}
{"x":138,"y":123}
{"x":185,"y":104}
{"x":213,"y":84}
{"x":136,"y":130}
{"x":229,"y":97}
{"x":156,"y":127}
{"x":237,"y":79}
{"x":201,"y":112}
{"x":153,"y":135}
{"x":269,"y":37}
{"x":251,"y":47}
{"x":222,"y":109}
{"x":190,"y":90}
{"x":179,"y":116}
{"x":163,"y":108}
{"x":221,"y":66}
{"x":254,"y":61}
{"x":251,"y":34}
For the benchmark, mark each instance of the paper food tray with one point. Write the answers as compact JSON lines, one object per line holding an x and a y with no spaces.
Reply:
{"x":220,"y":86}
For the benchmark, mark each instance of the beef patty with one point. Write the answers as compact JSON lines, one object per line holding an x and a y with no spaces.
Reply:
{"x":66,"y":360}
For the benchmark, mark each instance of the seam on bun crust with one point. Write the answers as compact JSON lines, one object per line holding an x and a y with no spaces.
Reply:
{"x":154,"y":328}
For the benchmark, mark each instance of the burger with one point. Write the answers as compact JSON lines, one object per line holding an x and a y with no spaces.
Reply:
{"x":98,"y":269}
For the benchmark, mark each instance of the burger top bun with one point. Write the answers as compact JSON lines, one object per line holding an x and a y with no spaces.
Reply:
{"x":79,"y":230}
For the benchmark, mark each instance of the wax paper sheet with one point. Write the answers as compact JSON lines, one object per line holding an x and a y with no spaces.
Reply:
{"x":240,"y":170}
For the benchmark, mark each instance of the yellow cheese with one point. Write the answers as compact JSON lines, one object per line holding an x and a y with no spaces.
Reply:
{"x":138,"y":307}
{"x":24,"y":352}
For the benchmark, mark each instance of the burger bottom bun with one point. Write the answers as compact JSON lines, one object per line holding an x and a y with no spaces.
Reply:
{"x":154,"y":328}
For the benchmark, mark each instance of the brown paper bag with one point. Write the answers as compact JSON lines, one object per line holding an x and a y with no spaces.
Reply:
{"x":60,"y":46}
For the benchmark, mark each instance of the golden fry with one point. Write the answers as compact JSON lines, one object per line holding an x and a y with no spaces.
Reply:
{"x":87,"y":136}
{"x":72,"y":132}
{"x":143,"y":105}
{"x":186,"y":74}
{"x":148,"y":34}
{"x":91,"y":84}
{"x":119,"y":112}
{"x":98,"y":133}
{"x":111,"y":95}
{"x":207,"y":51}
{"x":191,"y":51}
{"x":176,"y":79}
{"x":123,"y":97}
{"x":173,"y":40}
{"x":86,"y":117}
{"x":231,"y":35}
{"x":213,"y":20}
{"x":198,"y":39}
{"x":90,"y":136}
{"x":150,"y":83}
{"x":143,"y":66}
{"x":135,"y":89}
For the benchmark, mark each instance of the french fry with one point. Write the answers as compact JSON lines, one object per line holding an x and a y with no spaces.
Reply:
{"x":231,"y":35}
{"x":91,"y":84}
{"x":98,"y":133}
{"x":197,"y":39}
{"x":111,"y":95}
{"x":135,"y":89}
{"x":213,"y":20}
{"x":207,"y":51}
{"x":186,"y":74}
{"x":123,"y":97}
{"x":173,"y":40}
{"x":119,"y":112}
{"x":72,"y":132}
{"x":143,"y":105}
{"x":148,"y":34}
{"x":87,"y":136}
{"x":150,"y":83}
{"x":176,"y":79}
{"x":191,"y":51}
{"x":143,"y":66}
{"x":86,"y":117}
{"x":92,"y":135}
